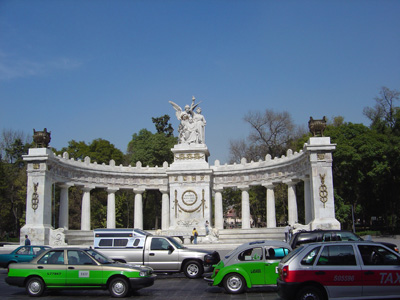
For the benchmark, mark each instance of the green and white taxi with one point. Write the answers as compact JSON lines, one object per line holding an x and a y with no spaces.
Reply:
{"x":64,"y":268}
{"x":250,"y":265}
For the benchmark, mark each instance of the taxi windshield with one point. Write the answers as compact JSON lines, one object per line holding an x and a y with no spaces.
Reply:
{"x":99,"y":257}
{"x":291,"y":254}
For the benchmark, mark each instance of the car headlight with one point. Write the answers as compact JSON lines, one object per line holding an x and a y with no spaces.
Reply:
{"x":143,"y":273}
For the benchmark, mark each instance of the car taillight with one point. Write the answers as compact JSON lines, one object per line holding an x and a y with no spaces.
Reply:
{"x":396,"y":249}
{"x":216,"y":271}
{"x":285,"y":272}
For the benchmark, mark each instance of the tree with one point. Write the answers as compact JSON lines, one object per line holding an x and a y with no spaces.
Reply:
{"x":12,"y":182}
{"x":384,"y":114}
{"x":152,"y":149}
{"x":100,"y":151}
{"x":271,"y":133}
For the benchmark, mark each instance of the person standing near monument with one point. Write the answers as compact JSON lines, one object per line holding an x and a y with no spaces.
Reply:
{"x":27,"y":241}
{"x":195,"y":235}
{"x":207,"y":225}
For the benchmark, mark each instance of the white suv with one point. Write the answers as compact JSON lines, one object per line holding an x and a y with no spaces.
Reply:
{"x":340,"y":270}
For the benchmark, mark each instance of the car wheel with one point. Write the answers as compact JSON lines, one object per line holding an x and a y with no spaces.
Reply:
{"x":193,"y":269}
{"x":310,"y":293}
{"x":35,"y":286}
{"x":119,"y":287}
{"x":234,"y":283}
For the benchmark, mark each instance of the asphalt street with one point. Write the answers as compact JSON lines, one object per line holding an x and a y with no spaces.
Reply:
{"x":175,"y":286}
{"x":170,"y":287}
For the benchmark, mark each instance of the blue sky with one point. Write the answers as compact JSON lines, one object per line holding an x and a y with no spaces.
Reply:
{"x":103,"y":69}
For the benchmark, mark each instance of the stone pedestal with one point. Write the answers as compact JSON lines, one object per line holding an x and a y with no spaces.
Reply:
{"x":321,"y":183}
{"x":38,"y":198}
{"x":190,"y":188}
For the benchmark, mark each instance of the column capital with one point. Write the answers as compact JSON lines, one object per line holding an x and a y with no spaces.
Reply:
{"x":87,"y":188}
{"x":269,"y":185}
{"x":112,"y":189}
{"x":243,"y":187}
{"x":139,"y":190}
{"x":64,"y":185}
{"x":291,"y":182}
{"x":218,"y":189}
{"x":164,"y":190}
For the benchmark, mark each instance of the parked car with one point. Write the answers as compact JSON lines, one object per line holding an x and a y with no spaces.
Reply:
{"x":71,"y":268}
{"x":340,"y":270}
{"x":319,"y":235}
{"x":162,"y":253}
{"x":21,"y":254}
{"x":251,"y":264}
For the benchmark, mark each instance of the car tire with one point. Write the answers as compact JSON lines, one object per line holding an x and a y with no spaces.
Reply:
{"x":119,"y":287}
{"x":234,"y":283}
{"x":193,"y":269}
{"x":310,"y":293}
{"x":35,"y":286}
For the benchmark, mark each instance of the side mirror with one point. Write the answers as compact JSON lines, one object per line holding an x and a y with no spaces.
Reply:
{"x":170,"y":249}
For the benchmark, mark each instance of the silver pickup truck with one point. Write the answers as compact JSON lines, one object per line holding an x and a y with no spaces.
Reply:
{"x":162,"y":253}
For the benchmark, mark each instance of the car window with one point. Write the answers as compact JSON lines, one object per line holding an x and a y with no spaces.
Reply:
{"x":37,"y":250}
{"x":105,"y":243}
{"x":23,"y":251}
{"x":310,"y":257}
{"x":326,"y":237}
{"x":120,"y":242}
{"x":377,"y":255}
{"x":252,"y":254}
{"x":159,"y":244}
{"x":53,"y":257}
{"x":347,"y":236}
{"x":337,"y":255}
{"x":307,"y":237}
{"x":275,"y":253}
{"x":77,"y":257}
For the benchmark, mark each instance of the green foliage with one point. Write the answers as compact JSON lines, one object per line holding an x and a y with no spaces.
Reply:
{"x":100,"y":151}
{"x":151,"y":149}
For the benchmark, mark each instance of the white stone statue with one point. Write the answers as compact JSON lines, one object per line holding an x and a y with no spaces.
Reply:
{"x":192,"y":127}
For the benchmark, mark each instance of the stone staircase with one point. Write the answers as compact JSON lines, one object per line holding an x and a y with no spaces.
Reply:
{"x":240,"y":236}
{"x":226,"y":236}
{"x":79,"y":237}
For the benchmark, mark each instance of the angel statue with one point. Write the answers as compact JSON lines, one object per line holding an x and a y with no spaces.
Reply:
{"x":192,"y":123}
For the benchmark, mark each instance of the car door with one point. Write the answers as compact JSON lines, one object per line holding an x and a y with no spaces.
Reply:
{"x":52,"y":269}
{"x":338,"y":270}
{"x":160,"y":256}
{"x":82,"y":270}
{"x":24,"y":254}
{"x":381,"y":271}
{"x":252,"y":261}
{"x":273,"y":256}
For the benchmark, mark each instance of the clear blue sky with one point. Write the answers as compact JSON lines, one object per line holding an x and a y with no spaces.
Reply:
{"x":103,"y":69}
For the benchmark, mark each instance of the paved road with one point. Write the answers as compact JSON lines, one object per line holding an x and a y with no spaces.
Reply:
{"x":166,"y":287}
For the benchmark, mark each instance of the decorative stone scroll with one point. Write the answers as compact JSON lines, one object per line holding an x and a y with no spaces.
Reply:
{"x":323,"y":190}
{"x":35,"y":197}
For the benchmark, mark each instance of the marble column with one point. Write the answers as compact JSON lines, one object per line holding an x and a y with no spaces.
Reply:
{"x":271,"y":214}
{"x":292,"y":204}
{"x":245,"y":207}
{"x":111,"y":207}
{"x":63,"y":221}
{"x":218,"y":209}
{"x":165,"y":209}
{"x":138,"y":217}
{"x":85,"y":212}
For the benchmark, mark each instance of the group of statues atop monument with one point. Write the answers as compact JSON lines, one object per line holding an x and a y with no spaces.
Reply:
{"x":192,"y":123}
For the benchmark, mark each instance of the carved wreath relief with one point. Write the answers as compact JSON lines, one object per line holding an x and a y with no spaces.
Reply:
{"x":189,"y":198}
{"x":35,"y":196}
{"x":323,"y":190}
